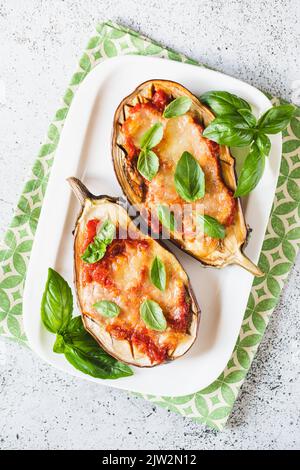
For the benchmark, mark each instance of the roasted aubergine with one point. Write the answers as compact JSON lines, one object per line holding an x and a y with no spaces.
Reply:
{"x":134,"y":296}
{"x":181,"y":137}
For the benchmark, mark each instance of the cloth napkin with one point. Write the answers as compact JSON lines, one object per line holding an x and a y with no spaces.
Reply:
{"x":213,"y":404}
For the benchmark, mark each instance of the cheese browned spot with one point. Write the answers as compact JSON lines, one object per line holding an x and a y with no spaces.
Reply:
{"x":181,"y":134}
{"x":122,"y":276}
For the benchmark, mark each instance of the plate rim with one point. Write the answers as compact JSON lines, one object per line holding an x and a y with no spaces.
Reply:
{"x":120,"y":384}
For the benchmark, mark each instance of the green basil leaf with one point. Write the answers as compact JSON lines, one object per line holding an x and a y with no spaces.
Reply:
{"x":84,"y":353}
{"x":77,"y":336}
{"x":153,"y":316}
{"x":152,"y":137}
{"x":97,"y":364}
{"x":189,"y":178}
{"x":248,"y":116}
{"x":276,"y":119}
{"x":107,"y":308}
{"x":94,"y":252}
{"x":231,"y":130}
{"x":251,"y":173}
{"x":59,"y":345}
{"x":263,"y":143}
{"x":222,"y":102}
{"x":57,"y":303}
{"x":177,"y":107}
{"x":211,"y":226}
{"x":158,"y":274}
{"x":166,"y":217}
{"x":148,"y":164}
{"x":106,"y":232}
{"x":97,"y":249}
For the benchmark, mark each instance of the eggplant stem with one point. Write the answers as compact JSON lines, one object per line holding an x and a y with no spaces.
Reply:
{"x":242,"y":260}
{"x":80,"y":190}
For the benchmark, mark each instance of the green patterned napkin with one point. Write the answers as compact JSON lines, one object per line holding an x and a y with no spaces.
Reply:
{"x":213,"y":404}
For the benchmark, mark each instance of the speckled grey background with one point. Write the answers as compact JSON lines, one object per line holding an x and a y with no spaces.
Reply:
{"x":40,"y":40}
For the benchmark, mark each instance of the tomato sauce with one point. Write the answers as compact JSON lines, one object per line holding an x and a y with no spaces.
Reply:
{"x":160,"y":99}
{"x":147,"y":346}
{"x":90,"y":233}
{"x":100,"y":271}
{"x":119,"y":332}
{"x":181,"y":315}
{"x":141,"y":340}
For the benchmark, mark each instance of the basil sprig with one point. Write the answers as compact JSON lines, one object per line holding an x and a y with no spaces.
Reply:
{"x":177,"y":107}
{"x":152,"y":315}
{"x":189,"y":178}
{"x":158,"y":274}
{"x":97,"y":249}
{"x":107,"y":308}
{"x":72,"y":340}
{"x":236,"y":126}
{"x":211,"y":227}
{"x":148,"y":162}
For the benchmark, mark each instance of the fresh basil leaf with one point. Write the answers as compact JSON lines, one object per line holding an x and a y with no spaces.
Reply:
{"x":152,"y":137}
{"x":76,"y":329}
{"x":57,"y":303}
{"x":107,"y":308}
{"x":222,"y":102}
{"x":148,"y":164}
{"x":84,"y":353}
{"x":251,"y":173}
{"x":106,"y":232}
{"x":153,"y":316}
{"x":211,"y":227}
{"x":59,"y":345}
{"x":248,"y":116}
{"x":166,"y":217}
{"x":189,"y":178}
{"x":177,"y":107}
{"x":263,"y":143}
{"x":158,"y":274}
{"x":97,"y":249}
{"x":97,"y":364}
{"x":276,"y":119}
{"x":94,"y":251}
{"x":77,"y":336}
{"x":231,"y":130}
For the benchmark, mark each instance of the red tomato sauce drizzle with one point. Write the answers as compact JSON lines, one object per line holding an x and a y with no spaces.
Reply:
{"x":141,"y":340}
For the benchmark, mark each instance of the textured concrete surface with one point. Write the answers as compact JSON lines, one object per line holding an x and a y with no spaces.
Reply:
{"x":40,"y":41}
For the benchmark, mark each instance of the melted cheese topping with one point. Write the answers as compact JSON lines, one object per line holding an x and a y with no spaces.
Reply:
{"x":182,"y":134}
{"x":123,"y":276}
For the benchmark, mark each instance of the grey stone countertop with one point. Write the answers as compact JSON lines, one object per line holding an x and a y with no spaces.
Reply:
{"x":40,"y":42}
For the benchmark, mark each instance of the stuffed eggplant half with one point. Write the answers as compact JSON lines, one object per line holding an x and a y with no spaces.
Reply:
{"x":166,"y":167}
{"x":134,"y":296}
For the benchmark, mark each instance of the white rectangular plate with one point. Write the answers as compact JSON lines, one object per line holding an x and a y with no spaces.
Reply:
{"x":84,"y":151}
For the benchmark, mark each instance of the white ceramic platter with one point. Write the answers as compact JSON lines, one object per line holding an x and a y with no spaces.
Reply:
{"x":84,"y":151}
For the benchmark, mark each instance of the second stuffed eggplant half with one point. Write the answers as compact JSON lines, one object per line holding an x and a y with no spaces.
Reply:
{"x":134,"y":295}
{"x":165,"y":166}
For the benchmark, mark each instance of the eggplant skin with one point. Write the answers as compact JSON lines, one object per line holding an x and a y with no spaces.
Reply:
{"x":225,"y":252}
{"x":130,"y":350}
